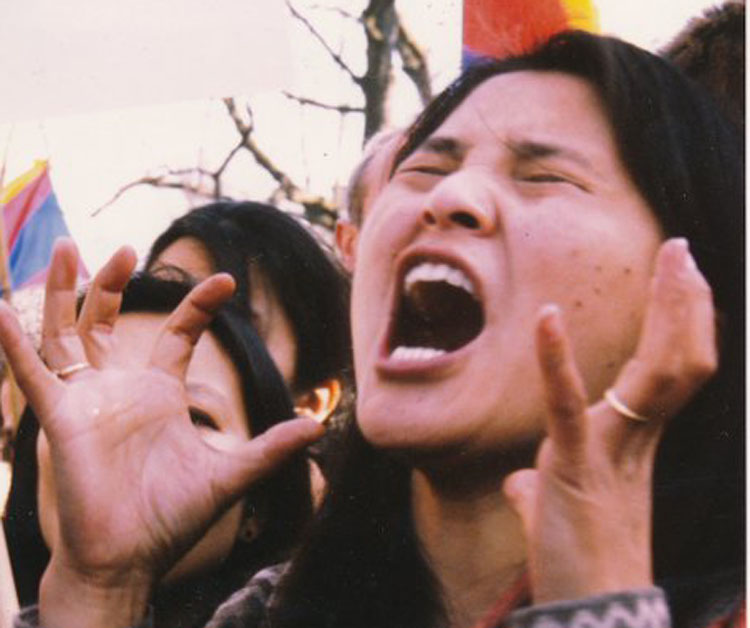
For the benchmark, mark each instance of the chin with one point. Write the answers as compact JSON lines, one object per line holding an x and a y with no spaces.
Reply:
{"x":436,"y":442}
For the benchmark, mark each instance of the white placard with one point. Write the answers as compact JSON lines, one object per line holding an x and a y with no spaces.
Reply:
{"x":85,"y":55}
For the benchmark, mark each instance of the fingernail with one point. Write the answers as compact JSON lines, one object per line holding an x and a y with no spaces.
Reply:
{"x":687,"y":259}
{"x":549,"y":309}
{"x":549,"y":316}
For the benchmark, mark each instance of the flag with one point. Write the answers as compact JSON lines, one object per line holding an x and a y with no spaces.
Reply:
{"x":32,"y":220}
{"x":501,"y":28}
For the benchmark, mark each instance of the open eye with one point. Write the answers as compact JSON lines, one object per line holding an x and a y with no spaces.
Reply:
{"x":201,"y":419}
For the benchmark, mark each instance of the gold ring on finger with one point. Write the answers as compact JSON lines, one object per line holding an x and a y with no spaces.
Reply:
{"x":610,"y":396}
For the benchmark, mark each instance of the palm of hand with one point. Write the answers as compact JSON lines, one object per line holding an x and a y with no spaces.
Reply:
{"x":136,"y":484}
{"x":115,"y":430}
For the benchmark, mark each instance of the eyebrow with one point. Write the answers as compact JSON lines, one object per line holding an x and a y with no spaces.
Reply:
{"x":447,"y":146}
{"x":206,"y":390}
{"x":530,"y":150}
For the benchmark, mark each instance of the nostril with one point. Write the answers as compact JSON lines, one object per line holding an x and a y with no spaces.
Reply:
{"x":429,"y":218}
{"x":465,"y":219}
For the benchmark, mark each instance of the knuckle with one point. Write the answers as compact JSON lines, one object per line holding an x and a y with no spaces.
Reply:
{"x":568,"y":407}
{"x":662,"y":381}
{"x":702,"y":368}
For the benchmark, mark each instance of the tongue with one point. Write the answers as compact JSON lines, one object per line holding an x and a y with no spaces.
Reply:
{"x":438,"y":303}
{"x":439,"y":315}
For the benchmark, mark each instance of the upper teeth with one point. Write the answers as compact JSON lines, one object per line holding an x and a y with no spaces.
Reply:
{"x":427,"y":271}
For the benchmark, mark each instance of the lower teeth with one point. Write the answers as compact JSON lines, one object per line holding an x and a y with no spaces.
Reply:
{"x":416,"y":353}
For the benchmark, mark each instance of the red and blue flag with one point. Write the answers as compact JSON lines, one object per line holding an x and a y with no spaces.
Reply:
{"x":32,"y":220}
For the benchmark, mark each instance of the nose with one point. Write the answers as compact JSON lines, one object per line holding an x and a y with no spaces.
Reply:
{"x":459,"y":202}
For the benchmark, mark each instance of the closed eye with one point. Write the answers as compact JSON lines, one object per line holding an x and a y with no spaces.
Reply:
{"x":548,"y":177}
{"x":545,"y":178}
{"x":433,"y":170}
{"x":200,"y":419}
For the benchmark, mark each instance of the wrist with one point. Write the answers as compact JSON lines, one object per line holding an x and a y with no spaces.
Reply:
{"x":69,"y":598}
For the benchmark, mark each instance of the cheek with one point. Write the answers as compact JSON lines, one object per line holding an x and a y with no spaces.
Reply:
{"x":603,"y":297}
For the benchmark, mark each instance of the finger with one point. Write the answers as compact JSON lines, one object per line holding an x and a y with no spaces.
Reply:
{"x":174,"y":346}
{"x":61,"y":345}
{"x":41,"y":388}
{"x":563,"y":387}
{"x":520,"y":488}
{"x":255,"y":459}
{"x":676,"y":353}
{"x":102,"y":305}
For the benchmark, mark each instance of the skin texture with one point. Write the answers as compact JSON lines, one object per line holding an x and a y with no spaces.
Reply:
{"x":530,"y":227}
{"x":531,"y":201}
{"x":274,"y":327}
{"x":568,"y":228}
{"x":112,"y":552}
{"x":269,"y":316}
{"x":135,"y":334}
{"x":366,"y":182}
{"x":213,"y":387}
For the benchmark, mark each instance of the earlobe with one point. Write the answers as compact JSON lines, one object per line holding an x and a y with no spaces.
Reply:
{"x":320,"y":402}
{"x":346,"y":243}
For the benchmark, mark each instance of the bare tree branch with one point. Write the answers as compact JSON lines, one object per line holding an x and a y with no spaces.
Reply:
{"x":385,"y":35}
{"x":317,"y":209}
{"x":339,"y":10}
{"x":381,"y":26}
{"x":414,"y":64}
{"x":342,"y":109}
{"x":334,"y":55}
{"x":174,"y":179}
{"x":247,"y":142}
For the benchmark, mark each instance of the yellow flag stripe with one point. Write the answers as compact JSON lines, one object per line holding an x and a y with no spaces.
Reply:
{"x":582,"y":14}
{"x":20,"y":182}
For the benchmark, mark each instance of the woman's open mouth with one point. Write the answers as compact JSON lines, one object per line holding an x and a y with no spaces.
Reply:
{"x":438,"y":312}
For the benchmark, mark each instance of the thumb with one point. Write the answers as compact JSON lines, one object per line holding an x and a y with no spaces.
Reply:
{"x":255,"y":459}
{"x":520,"y":488}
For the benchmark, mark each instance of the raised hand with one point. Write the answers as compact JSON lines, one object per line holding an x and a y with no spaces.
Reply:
{"x":136,"y":484}
{"x":586,"y":507}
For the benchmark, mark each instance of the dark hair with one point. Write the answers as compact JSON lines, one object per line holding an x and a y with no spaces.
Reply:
{"x":362,"y":565}
{"x":711,"y":50}
{"x":308,"y":283}
{"x":283,"y":501}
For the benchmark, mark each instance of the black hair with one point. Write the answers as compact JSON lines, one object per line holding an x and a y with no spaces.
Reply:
{"x":283,"y":500}
{"x":711,"y":50}
{"x":362,"y":564}
{"x":304,"y":277}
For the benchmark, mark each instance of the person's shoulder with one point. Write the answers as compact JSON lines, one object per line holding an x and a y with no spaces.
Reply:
{"x":248,"y":607}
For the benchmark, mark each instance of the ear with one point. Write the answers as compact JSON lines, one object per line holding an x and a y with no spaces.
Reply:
{"x":346,"y":243}
{"x":320,"y":402}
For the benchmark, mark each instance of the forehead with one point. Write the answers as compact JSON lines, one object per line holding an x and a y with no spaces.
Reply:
{"x":543,"y":107}
{"x":189,"y":254}
{"x":268,"y":314}
{"x":136,"y":333}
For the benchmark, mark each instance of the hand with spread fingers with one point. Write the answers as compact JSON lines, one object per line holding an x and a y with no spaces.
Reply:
{"x":586,"y":507}
{"x":122,"y":444}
